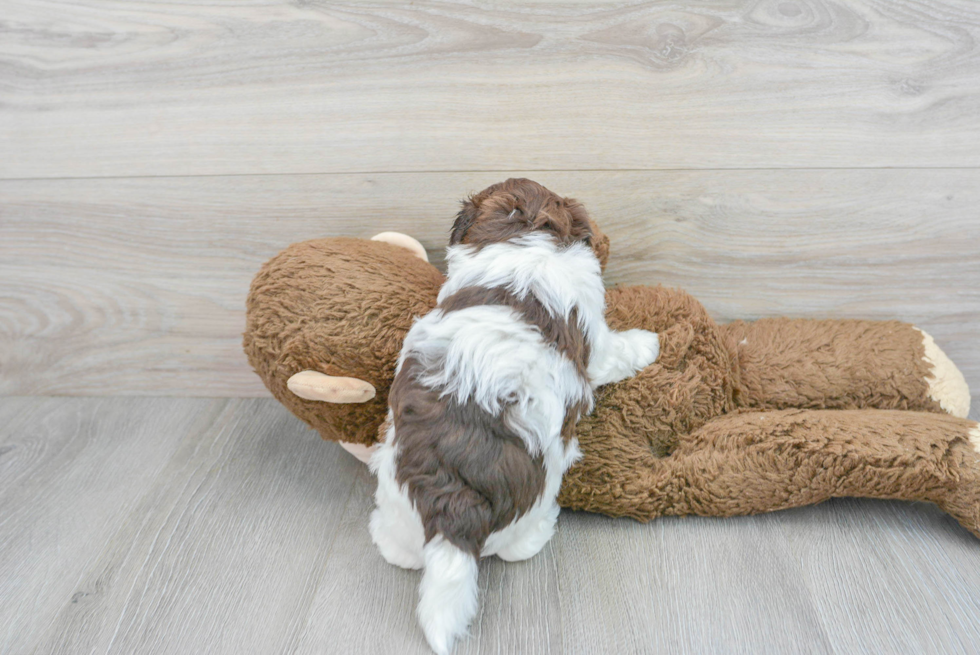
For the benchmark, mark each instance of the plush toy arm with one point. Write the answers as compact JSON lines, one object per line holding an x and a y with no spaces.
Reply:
{"x":846,"y":364}
{"x":763,"y":461}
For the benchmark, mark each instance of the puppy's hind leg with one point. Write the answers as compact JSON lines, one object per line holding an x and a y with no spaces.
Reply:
{"x":395,"y":538}
{"x":396,"y":528}
{"x":525,"y":538}
{"x":533,"y":531}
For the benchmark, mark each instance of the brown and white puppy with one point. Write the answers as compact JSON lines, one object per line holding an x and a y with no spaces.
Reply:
{"x":488,"y":388}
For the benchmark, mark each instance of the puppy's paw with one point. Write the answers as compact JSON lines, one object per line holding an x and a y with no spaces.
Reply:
{"x":625,"y":354}
{"x":646,"y":347}
{"x":394,"y":541}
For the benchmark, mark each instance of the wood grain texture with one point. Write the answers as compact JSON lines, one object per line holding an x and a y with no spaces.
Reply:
{"x":686,"y":592}
{"x":891,"y":548}
{"x":162,"y":525}
{"x":521,"y":610}
{"x":137,"y":286}
{"x":70,"y":471}
{"x":99,"y":88}
{"x":218,"y":555}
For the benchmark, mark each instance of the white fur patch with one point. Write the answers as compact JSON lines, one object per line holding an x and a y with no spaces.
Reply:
{"x":559,"y":278}
{"x":619,"y":355}
{"x":488,"y":355}
{"x":947,"y":386}
{"x":396,"y":527}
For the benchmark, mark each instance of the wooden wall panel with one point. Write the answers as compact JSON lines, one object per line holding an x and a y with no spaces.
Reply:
{"x":93,"y":88}
{"x":137,"y":286}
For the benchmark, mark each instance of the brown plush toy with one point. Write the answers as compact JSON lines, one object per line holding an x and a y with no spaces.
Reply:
{"x":732,"y":419}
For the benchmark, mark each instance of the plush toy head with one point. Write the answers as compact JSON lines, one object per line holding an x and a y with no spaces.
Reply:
{"x":341,"y":308}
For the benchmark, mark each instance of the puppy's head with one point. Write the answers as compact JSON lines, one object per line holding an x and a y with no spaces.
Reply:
{"x":520,"y":206}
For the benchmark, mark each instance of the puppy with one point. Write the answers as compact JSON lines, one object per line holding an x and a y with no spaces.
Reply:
{"x":487,"y":392}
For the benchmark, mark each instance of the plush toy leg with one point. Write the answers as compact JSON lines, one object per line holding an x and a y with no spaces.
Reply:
{"x":359,"y":450}
{"x":947,"y":386}
{"x":758,"y":462}
{"x":763,"y":461}
{"x":787,"y":363}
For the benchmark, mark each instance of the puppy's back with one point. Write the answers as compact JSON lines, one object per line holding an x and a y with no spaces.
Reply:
{"x":467,"y":474}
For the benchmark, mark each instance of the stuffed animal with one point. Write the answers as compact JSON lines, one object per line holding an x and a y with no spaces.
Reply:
{"x":732,"y":419}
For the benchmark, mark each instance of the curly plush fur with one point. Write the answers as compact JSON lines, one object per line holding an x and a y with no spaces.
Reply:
{"x":732,"y":419}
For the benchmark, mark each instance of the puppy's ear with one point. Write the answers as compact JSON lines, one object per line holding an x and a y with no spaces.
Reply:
{"x":464,"y":221}
{"x":582,"y":223}
{"x":600,"y":246}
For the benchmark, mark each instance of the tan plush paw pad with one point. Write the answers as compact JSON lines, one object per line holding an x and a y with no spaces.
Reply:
{"x":974,"y":436}
{"x":313,"y":385}
{"x":947,"y":386}
{"x":404,"y":241}
{"x":359,"y":450}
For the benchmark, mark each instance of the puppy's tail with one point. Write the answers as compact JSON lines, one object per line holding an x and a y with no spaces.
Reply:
{"x":448,"y":594}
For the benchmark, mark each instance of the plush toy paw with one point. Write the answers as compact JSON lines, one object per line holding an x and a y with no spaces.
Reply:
{"x":359,"y":450}
{"x":947,"y":386}
{"x":963,"y":503}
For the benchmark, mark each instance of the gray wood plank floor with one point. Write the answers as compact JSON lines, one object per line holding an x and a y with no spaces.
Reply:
{"x":164,"y":525}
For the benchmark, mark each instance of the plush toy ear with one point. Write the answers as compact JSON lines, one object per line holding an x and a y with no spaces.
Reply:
{"x":403,"y":241}
{"x":464,"y":221}
{"x":313,"y":385}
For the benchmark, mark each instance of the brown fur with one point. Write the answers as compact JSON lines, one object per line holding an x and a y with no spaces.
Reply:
{"x":849,"y":364}
{"x":802,"y":411}
{"x":468,"y":475}
{"x":519,"y":206}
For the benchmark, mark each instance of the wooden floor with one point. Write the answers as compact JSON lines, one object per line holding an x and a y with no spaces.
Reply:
{"x":810,"y":158}
{"x":164,"y":525}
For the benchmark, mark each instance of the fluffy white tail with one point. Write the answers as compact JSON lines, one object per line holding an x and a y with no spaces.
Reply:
{"x":448,"y":594}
